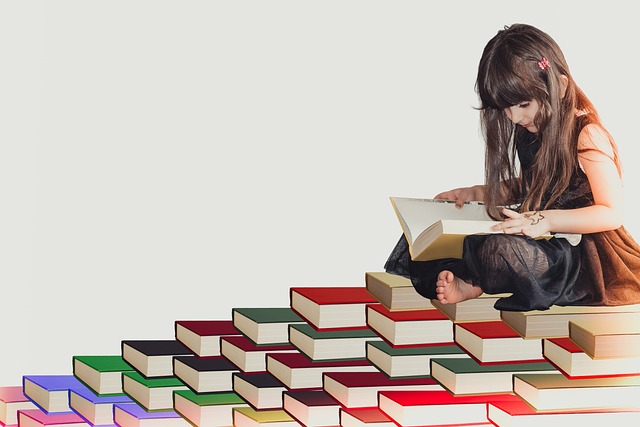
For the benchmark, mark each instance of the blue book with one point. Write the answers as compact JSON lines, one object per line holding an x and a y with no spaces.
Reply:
{"x":134,"y":415}
{"x":97,"y":410}
{"x":51,"y":392}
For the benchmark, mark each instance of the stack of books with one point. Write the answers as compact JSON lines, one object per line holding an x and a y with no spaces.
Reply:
{"x":374,"y":355}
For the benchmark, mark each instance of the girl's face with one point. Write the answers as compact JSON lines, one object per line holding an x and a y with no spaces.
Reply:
{"x":523,"y":114}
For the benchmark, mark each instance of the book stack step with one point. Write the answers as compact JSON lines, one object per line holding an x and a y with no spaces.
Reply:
{"x":376,"y":355}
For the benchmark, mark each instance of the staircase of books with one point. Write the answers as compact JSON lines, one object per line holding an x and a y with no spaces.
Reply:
{"x":372,"y":355}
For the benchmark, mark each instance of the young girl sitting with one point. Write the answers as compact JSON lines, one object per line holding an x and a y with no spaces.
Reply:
{"x":547,"y":153}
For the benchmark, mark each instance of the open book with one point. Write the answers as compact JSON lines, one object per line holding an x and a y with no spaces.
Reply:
{"x":435,"y":229}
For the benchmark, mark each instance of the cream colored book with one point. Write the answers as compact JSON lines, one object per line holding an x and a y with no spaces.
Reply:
{"x":395,"y":292}
{"x":435,"y":229}
{"x":557,"y":392}
{"x":603,"y":339}
{"x":554,"y":322}
{"x":471,"y":310}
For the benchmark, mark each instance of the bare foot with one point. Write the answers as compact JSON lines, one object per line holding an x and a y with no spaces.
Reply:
{"x":451,"y":289}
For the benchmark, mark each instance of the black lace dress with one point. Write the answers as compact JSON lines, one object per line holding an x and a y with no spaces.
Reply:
{"x":602,"y":269}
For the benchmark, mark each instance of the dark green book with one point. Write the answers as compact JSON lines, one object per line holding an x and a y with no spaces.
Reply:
{"x":153,"y":394}
{"x":412,"y":361}
{"x":331,"y":345}
{"x":203,"y":409}
{"x":265,"y":325}
{"x":102,"y":374}
{"x":466,"y":376}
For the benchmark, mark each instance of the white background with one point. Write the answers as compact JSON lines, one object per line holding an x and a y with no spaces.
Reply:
{"x":165,"y":160}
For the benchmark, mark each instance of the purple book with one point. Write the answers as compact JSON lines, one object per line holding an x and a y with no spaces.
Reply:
{"x":51,"y":392}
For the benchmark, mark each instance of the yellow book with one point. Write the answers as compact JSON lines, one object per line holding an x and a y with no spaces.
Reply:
{"x":395,"y":292}
{"x":435,"y":229}
{"x":607,"y":339}
{"x":249,"y":417}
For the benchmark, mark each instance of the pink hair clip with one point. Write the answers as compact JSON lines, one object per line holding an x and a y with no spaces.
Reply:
{"x":543,"y":64}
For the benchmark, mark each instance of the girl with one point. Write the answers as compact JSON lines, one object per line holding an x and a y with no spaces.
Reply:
{"x":548,"y":154}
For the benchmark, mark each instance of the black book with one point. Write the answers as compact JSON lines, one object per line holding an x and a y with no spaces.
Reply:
{"x":153,"y":358}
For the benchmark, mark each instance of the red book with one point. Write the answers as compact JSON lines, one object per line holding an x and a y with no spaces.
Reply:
{"x":332,"y":307}
{"x":202,"y":337}
{"x":412,"y":408}
{"x":39,"y":418}
{"x":297,"y":371}
{"x":520,"y":413}
{"x":12,"y":399}
{"x":571,"y":360}
{"x":410,"y":327}
{"x":364,"y":417}
{"x":312,"y":407}
{"x":496,"y":342}
{"x":248,"y":356}
{"x":360,"y":389}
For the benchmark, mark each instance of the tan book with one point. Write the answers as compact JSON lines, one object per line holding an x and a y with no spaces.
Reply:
{"x":250,"y":417}
{"x":603,"y":339}
{"x":395,"y":292}
{"x":554,"y":322}
{"x":557,"y":392}
{"x":471,"y":310}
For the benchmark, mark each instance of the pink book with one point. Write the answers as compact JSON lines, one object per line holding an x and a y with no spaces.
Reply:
{"x":39,"y":418}
{"x":12,"y":399}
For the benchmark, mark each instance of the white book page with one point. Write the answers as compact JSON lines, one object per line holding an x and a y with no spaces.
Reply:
{"x":419,"y":214}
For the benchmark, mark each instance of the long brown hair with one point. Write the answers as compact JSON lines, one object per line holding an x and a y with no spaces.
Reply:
{"x":510,"y":72}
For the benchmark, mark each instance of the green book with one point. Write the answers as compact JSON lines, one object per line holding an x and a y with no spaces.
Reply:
{"x":413,"y":361}
{"x":102,"y":374}
{"x":331,"y":345}
{"x":207,"y":408}
{"x":467,"y":376}
{"x":265,"y":325}
{"x":153,"y":394}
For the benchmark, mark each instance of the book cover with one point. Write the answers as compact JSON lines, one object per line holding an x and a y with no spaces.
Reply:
{"x":249,"y":417}
{"x":575,"y":363}
{"x":557,"y":392}
{"x":601,"y":339}
{"x":153,"y":358}
{"x":496,"y":342}
{"x":411,"y":361}
{"x":312,"y":408}
{"x":265,"y":325}
{"x":101,"y":373}
{"x":360,"y":389}
{"x":331,"y":307}
{"x":435,"y":229}
{"x":39,"y":418}
{"x":12,"y":399}
{"x":261,"y":389}
{"x":472,"y":310}
{"x":331,"y":345}
{"x":410,"y":327}
{"x":521,"y":414}
{"x":412,"y":409}
{"x":248,"y":356}
{"x":153,"y":394}
{"x":204,"y":374}
{"x":95,"y":409}
{"x":50,"y":392}
{"x":202,"y":337}
{"x":395,"y":292}
{"x":364,"y":417}
{"x":466,"y":376}
{"x":134,"y":415}
{"x":207,"y":409}
{"x":297,"y":371}
{"x":554,"y":322}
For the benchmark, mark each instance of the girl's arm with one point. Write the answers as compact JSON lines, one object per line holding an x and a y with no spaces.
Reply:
{"x":596,"y":156}
{"x":464,"y":194}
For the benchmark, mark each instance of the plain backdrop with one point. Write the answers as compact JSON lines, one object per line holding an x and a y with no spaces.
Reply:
{"x":166,"y":160}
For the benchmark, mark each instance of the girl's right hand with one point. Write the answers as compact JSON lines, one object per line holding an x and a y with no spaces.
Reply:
{"x":463,"y":195}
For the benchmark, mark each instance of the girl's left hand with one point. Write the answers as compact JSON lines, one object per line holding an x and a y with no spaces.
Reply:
{"x":532,"y":224}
